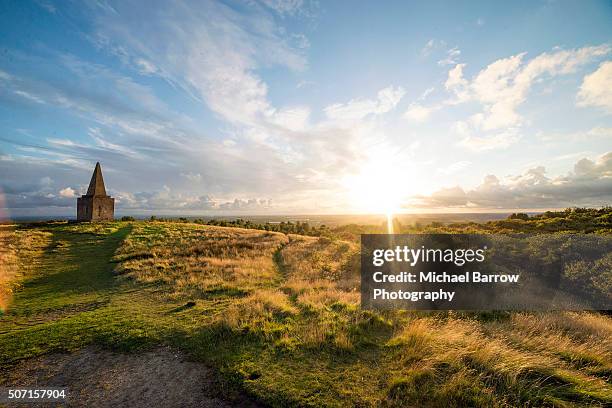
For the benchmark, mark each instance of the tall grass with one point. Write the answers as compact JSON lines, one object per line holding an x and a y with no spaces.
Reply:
{"x":280,"y":315}
{"x":195,"y":261}
{"x":296,"y":295}
{"x":20,"y":251}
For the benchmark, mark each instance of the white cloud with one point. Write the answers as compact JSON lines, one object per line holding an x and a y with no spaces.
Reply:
{"x":596,"y":88}
{"x":263,"y":148}
{"x":426,"y":93}
{"x":503,"y":86}
{"x":301,"y":41}
{"x":46,"y":181}
{"x":448,"y":56}
{"x":589,"y":184}
{"x":142,"y":143}
{"x":295,"y":118}
{"x":285,"y":7}
{"x":498,"y":141}
{"x":457,"y":84}
{"x":29,"y":96}
{"x":5,"y":76}
{"x":193,"y":177}
{"x":455,"y":167}
{"x":67,"y":192}
{"x":252,"y":204}
{"x":146,"y":67}
{"x":599,"y":132}
{"x":431,"y":46}
{"x":47,"y":6}
{"x":165,"y":200}
{"x":304,"y":84}
{"x":103,"y":143}
{"x":387,"y":99}
{"x":418,"y":113}
{"x":214,"y":62}
{"x":121,"y":104}
{"x":451,"y":57}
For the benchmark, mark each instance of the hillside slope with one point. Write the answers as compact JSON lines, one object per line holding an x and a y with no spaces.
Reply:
{"x":278,"y":317}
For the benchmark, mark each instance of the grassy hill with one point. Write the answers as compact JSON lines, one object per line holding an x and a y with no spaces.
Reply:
{"x":278,"y":316}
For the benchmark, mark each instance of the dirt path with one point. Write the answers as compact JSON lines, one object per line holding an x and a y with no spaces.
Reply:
{"x":98,"y":378}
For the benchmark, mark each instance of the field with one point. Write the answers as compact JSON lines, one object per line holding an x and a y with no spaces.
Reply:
{"x":276,"y":316}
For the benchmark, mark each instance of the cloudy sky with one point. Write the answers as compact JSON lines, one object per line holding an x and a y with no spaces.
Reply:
{"x":306,"y":107}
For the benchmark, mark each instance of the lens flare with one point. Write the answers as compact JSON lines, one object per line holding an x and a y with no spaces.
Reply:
{"x":4,"y":215}
{"x":390,"y":223}
{"x":8,"y":257}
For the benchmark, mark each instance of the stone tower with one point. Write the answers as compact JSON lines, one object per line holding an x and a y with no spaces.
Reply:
{"x":96,"y":205}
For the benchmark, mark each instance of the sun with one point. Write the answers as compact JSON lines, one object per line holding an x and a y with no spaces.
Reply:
{"x":381,"y":186}
{"x":373,"y":191}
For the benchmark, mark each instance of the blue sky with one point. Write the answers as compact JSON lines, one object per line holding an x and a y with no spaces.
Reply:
{"x":306,"y":107}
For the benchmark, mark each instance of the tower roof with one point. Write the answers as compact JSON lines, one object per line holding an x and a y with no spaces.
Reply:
{"x":96,"y":185}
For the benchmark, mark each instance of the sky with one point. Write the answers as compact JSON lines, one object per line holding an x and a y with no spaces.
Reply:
{"x":304,"y":107}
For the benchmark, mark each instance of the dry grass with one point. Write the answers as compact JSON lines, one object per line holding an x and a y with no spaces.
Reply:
{"x":320,"y":272}
{"x":311,"y":259}
{"x":8,"y":265}
{"x":259,"y":313}
{"x":291,"y":308}
{"x":554,"y":359}
{"x":20,"y":251}
{"x":311,"y":306}
{"x":504,"y":358}
{"x":319,"y":299}
{"x":195,"y":261}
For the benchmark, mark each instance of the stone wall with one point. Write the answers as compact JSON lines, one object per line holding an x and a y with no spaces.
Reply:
{"x":95,"y":208}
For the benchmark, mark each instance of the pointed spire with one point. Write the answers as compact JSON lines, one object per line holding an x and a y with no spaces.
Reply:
{"x":96,"y":185}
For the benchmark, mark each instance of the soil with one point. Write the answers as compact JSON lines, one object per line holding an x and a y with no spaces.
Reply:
{"x":100,"y":378}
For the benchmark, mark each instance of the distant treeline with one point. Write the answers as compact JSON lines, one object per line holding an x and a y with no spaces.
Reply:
{"x":302,"y":228}
{"x":584,"y":220}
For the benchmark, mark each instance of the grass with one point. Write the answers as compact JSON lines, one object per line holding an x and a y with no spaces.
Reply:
{"x":279,"y":316}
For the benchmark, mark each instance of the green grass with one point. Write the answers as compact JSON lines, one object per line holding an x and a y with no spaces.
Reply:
{"x":279,"y":317}
{"x":73,"y":299}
